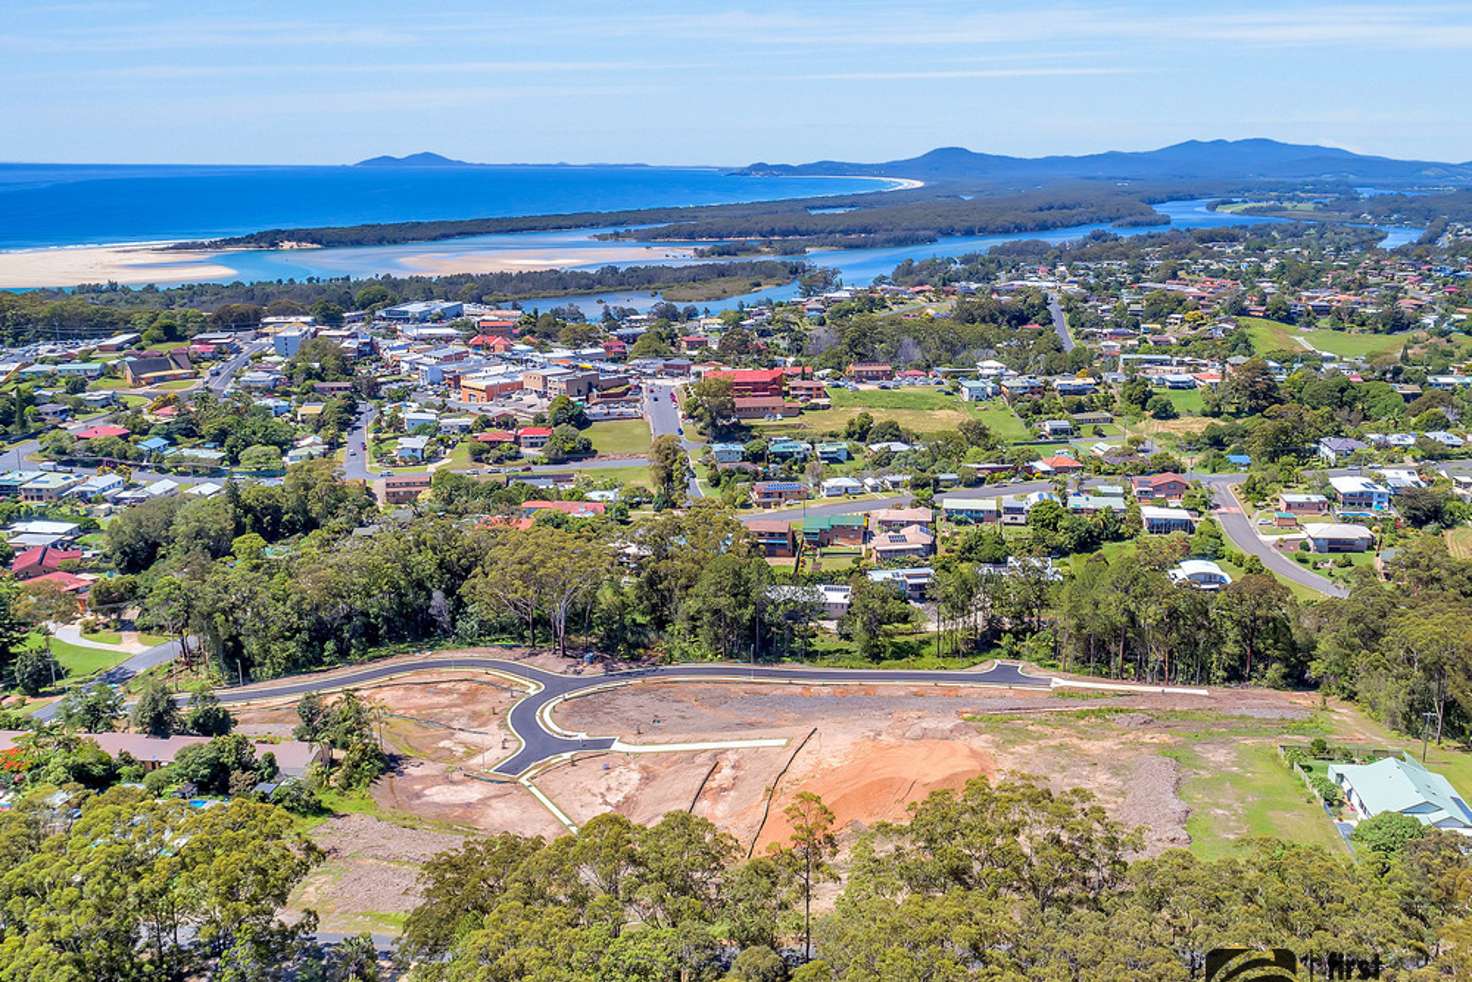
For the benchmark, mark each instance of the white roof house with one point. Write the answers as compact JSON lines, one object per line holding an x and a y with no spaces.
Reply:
{"x":1203,"y":574}
{"x":835,"y":486}
{"x":1400,"y":784}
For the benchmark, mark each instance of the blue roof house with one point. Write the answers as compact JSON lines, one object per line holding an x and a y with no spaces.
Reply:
{"x":1400,"y":784}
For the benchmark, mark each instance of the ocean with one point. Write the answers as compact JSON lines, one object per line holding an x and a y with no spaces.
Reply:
{"x":78,"y":204}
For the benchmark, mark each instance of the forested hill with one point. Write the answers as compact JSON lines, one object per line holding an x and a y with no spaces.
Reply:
{"x":1194,"y":160}
{"x":422,"y":159}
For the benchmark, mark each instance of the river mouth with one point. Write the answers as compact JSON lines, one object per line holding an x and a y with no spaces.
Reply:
{"x":145,"y":264}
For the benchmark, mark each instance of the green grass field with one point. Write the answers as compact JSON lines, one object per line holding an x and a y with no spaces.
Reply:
{"x":103,"y":637}
{"x":623,"y":436}
{"x":919,"y":410}
{"x":635,"y":474}
{"x":80,"y":661}
{"x":1459,"y":541}
{"x":1262,"y":796}
{"x":1188,"y":402}
{"x":1272,"y":336}
{"x":1003,"y":422}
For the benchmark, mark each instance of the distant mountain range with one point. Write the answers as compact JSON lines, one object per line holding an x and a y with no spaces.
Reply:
{"x":1230,"y":160}
{"x":423,"y":159}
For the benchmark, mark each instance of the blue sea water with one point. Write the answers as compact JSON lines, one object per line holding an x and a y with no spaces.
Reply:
{"x":75,"y":204}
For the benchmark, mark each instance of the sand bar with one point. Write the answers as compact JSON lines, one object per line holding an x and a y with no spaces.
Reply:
{"x":132,"y":263}
{"x":518,"y":260}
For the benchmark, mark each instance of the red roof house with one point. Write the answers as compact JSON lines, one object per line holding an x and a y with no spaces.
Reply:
{"x":101,"y":430}
{"x":41,"y":560}
{"x":577,"y":509}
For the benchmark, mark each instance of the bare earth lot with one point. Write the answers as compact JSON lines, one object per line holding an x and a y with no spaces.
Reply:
{"x":1189,"y":770}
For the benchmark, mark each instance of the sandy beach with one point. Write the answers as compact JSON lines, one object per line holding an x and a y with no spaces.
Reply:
{"x":133,"y":263}
{"x":517,"y":260}
{"x":139,"y":263}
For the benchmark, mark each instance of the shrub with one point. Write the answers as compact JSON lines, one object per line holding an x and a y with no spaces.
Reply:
{"x":1327,"y":790}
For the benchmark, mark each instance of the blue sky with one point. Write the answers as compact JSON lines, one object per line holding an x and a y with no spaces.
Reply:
{"x":330,"y":81}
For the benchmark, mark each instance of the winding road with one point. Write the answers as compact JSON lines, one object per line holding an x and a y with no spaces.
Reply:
{"x":543,"y":742}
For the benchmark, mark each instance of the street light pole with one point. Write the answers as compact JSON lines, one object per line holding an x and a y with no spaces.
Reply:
{"x":1425,"y":732}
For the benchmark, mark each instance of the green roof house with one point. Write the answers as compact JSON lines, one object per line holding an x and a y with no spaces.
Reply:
{"x":1400,"y":784}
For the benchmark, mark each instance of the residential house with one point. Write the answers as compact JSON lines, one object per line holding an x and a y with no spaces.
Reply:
{"x":1089,"y":504}
{"x":1161,"y":521}
{"x":1402,"y":785}
{"x":832,"y":452}
{"x":913,"y":582}
{"x":895,"y":519}
{"x":806,"y":390}
{"x":838,"y":487}
{"x":411,"y":448}
{"x":1450,"y":440}
{"x":1074,"y":386}
{"x":402,"y":489}
{"x":1203,"y":574}
{"x":49,"y":486}
{"x":832,"y":599}
{"x":533,"y":437}
{"x":1303,"y":504}
{"x":102,"y":431}
{"x":573,"y":509}
{"x":971,"y":510}
{"x":727,"y":453}
{"x":12,"y":481}
{"x":1021,"y":386}
{"x":833,"y":530}
{"x":98,"y":486}
{"x":1336,"y":448}
{"x":769,"y":494}
{"x":783,"y":448}
{"x":1057,"y":464}
{"x":1057,"y":429}
{"x":1360,"y":493}
{"x":910,"y":542}
{"x":776,"y":538}
{"x":978,"y":389}
{"x":53,"y":412}
{"x":40,"y":560}
{"x":1338,"y":537}
{"x":1400,"y":479}
{"x":1016,"y":507}
{"x":1160,"y":487}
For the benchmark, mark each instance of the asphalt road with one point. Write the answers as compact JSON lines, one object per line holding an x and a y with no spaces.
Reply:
{"x":355,"y":462}
{"x":1060,"y":323}
{"x":541,"y":744}
{"x":663,"y":414}
{"x":1238,"y":527}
